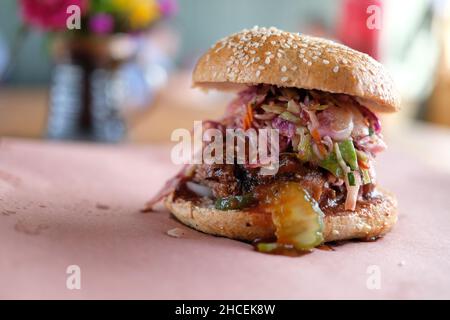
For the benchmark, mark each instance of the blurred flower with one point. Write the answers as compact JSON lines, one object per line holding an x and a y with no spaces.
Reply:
{"x":48,"y":14}
{"x":101,"y":23}
{"x":140,"y":13}
{"x":168,"y":7}
{"x":143,"y":13}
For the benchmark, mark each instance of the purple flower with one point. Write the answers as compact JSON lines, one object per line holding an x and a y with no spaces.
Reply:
{"x":101,"y":23}
{"x":168,"y":7}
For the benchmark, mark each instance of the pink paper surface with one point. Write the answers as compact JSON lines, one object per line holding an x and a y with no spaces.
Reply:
{"x":78,"y":204}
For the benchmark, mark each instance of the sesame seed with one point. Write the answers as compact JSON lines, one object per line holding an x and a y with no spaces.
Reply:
{"x":305,"y":60}
{"x":258,"y":73}
{"x":273,"y":42}
{"x":294,"y":68}
{"x":283,"y":69}
{"x":309,"y":63}
{"x":336,"y":69}
{"x":279,"y":55}
{"x":302,"y":50}
{"x":268,"y":53}
{"x":252,"y":51}
{"x":284,"y":79}
{"x":325,"y":61}
{"x":267,"y":61}
{"x":344,"y":61}
{"x":315,"y":57}
{"x":261,"y":67}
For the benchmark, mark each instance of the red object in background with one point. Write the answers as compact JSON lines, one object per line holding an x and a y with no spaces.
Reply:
{"x":355,"y":27}
{"x":49,"y":14}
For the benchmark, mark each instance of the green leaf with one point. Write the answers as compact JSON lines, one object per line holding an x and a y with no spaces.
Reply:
{"x":289,"y":117}
{"x":351,"y":179}
{"x":348,"y":153}
{"x":331,"y":164}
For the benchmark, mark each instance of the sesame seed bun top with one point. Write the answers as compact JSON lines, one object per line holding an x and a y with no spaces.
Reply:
{"x":285,"y":59}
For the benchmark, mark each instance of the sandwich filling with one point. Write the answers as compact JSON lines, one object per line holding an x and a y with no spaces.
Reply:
{"x":327,"y":142}
{"x":327,"y":146}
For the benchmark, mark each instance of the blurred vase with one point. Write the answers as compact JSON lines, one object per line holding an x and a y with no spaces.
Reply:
{"x":95,"y":81}
{"x":4,"y":56}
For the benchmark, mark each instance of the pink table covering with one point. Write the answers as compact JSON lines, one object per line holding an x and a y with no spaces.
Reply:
{"x":77,"y":204}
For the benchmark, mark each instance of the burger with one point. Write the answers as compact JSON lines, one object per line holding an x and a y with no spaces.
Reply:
{"x":322,"y":98}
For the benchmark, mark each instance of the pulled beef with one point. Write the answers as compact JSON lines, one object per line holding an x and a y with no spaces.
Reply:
{"x":227,"y":179}
{"x":219,"y":177}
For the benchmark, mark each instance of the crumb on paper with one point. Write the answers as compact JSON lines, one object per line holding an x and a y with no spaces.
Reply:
{"x":28,"y":228}
{"x":401,"y":263}
{"x":146,"y":210}
{"x":8,"y":212}
{"x":175,"y":232}
{"x":102,"y":206}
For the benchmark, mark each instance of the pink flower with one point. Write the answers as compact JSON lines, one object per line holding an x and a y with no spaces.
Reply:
{"x":48,"y":14}
{"x":168,"y":7}
{"x":101,"y":23}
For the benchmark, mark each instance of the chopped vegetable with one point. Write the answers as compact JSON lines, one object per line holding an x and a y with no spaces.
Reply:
{"x":293,"y":107}
{"x":318,"y":107}
{"x":305,"y":151}
{"x":296,"y":215}
{"x":348,"y":153}
{"x":331,"y":164}
{"x":248,"y":117}
{"x":363,"y":159}
{"x":318,"y":142}
{"x":273,"y":108}
{"x":351,"y":179}
{"x":234,"y":202}
{"x":289,"y":117}
{"x":352,"y":193}
{"x":339,"y":158}
{"x":266,"y":247}
{"x":295,"y":142}
{"x":366,"y":176}
{"x":361,"y":155}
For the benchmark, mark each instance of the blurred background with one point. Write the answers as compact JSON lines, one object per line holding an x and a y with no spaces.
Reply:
{"x":122,"y":72}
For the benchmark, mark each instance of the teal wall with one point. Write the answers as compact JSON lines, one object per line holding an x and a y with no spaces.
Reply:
{"x":200,"y":23}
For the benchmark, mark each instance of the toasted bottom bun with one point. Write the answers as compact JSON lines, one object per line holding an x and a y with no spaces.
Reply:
{"x":371,"y":219}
